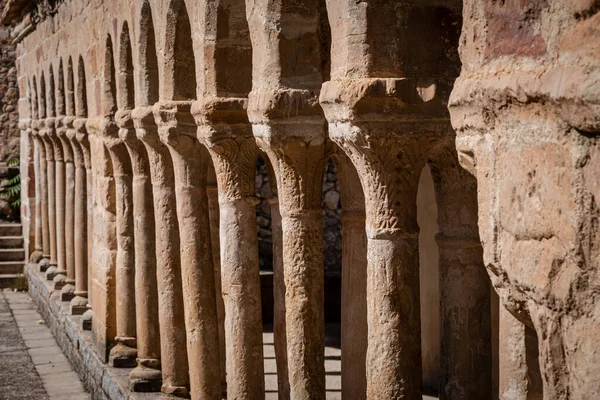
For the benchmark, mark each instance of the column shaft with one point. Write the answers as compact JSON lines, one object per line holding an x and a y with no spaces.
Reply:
{"x":174,"y":359}
{"x":36,"y":256}
{"x":123,"y":355}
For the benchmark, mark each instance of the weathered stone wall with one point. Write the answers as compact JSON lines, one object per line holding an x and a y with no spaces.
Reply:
{"x":9,"y":96}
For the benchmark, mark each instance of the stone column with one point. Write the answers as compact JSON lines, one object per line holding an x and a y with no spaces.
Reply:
{"x":83,"y":139}
{"x":213,"y":210}
{"x":519,"y":368}
{"x":389,"y":152}
{"x":43,"y":195}
{"x":177,"y":130}
{"x":465,"y":301}
{"x":64,"y":124}
{"x":279,"y":335}
{"x":123,"y":354}
{"x":146,"y":377}
{"x":36,"y":255}
{"x":77,"y":135}
{"x":170,"y":292}
{"x":228,"y":136}
{"x":291,"y":131}
{"x":101,"y":285}
{"x":59,"y":167}
{"x":354,"y":281}
{"x":51,"y":197}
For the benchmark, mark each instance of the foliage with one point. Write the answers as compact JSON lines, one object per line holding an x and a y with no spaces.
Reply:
{"x":12,"y":191}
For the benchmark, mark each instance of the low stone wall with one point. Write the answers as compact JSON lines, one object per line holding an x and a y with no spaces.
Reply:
{"x":102,"y":381}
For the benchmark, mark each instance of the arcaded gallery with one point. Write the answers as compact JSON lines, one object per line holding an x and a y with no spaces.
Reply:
{"x":314,"y":199}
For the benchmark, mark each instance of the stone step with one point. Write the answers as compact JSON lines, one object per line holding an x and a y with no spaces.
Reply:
{"x":11,"y":267}
{"x":11,"y":242}
{"x":12,"y":255}
{"x":9,"y":280}
{"x":11,"y":230}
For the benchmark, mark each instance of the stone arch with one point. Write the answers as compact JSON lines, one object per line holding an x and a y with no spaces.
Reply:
{"x":70,"y":93}
{"x":180,"y":64}
{"x":60,"y":93}
{"x":51,"y":104}
{"x":42,"y":97}
{"x":148,"y":67}
{"x":82,"y":104}
{"x":109,"y":100}
{"x":126,"y":88}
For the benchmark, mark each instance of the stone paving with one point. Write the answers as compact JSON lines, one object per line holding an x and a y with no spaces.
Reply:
{"x":32,"y":365}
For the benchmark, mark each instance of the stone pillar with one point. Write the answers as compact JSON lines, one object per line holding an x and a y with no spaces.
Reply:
{"x":519,"y":368}
{"x":279,"y":334}
{"x":228,"y":136}
{"x":43,"y":195}
{"x":83,"y":139}
{"x":59,"y":193}
{"x":213,"y":210}
{"x":37,"y":254}
{"x":64,"y":124}
{"x":465,"y":302}
{"x":293,"y":139}
{"x":177,"y":130}
{"x":146,"y":377}
{"x":51,"y":197}
{"x":123,"y":354}
{"x":78,"y":136}
{"x":104,"y":250}
{"x":389,"y":153}
{"x":354,"y":277}
{"x":174,"y":359}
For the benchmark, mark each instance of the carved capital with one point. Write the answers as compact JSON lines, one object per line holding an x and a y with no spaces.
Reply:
{"x":25,"y":124}
{"x":174,"y":119}
{"x":145,"y":125}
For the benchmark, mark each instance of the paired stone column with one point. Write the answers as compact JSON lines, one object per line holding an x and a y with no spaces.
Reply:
{"x":291,"y":131}
{"x":123,"y":354}
{"x":42,"y":195}
{"x":63,"y":124}
{"x":78,"y":137}
{"x":212,"y":192}
{"x":224,"y":129}
{"x":146,"y":377}
{"x":51,"y":198}
{"x":354,"y":335}
{"x":190,"y":164}
{"x":174,"y":359}
{"x":465,"y":300}
{"x":59,"y":202}
{"x":389,"y":152}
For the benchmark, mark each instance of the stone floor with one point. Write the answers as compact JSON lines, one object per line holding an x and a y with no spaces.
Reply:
{"x":32,"y":365}
{"x":333,"y":368}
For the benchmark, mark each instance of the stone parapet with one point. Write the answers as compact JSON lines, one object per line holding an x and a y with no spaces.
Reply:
{"x":101,"y":380}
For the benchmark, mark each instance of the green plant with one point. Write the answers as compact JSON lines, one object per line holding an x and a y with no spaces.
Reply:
{"x":12,"y":191}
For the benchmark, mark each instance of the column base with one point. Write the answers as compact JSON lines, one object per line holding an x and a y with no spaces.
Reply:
{"x":123,"y":355}
{"x":60,"y":280}
{"x":44,"y":264}
{"x":86,"y":320}
{"x":146,"y":377}
{"x":36,"y":257}
{"x":79,"y":305}
{"x":50,"y":272}
{"x":67,"y":293}
{"x":179,"y":391}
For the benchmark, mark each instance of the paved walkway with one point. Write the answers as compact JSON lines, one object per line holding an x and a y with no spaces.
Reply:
{"x":32,"y":365}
